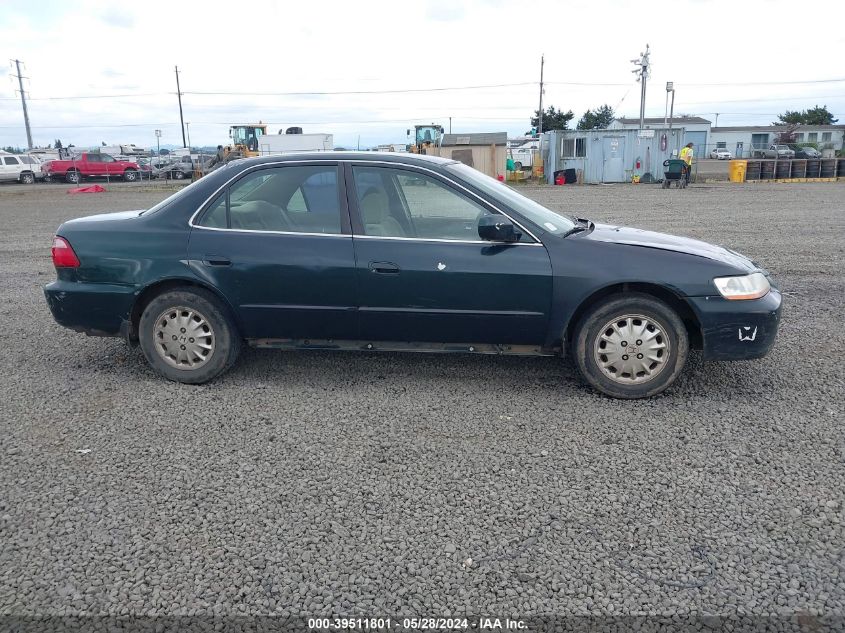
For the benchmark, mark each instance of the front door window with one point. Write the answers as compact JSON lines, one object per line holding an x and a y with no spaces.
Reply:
{"x":401,"y":203}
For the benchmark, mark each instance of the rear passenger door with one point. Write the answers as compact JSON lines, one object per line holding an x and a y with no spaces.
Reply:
{"x":276,"y":242}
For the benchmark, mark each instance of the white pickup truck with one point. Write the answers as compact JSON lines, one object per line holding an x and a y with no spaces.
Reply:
{"x":523,"y":156}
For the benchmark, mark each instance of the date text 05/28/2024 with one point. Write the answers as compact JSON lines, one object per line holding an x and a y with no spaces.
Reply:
{"x":411,"y":624}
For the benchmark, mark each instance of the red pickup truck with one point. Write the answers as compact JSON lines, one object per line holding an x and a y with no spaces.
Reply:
{"x":89,"y":164}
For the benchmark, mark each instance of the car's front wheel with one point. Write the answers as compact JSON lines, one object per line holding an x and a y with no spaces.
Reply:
{"x":188,"y":336}
{"x":630,"y":346}
{"x":130,"y":175}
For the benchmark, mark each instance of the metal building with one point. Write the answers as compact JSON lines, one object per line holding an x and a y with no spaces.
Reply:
{"x":612,"y":155}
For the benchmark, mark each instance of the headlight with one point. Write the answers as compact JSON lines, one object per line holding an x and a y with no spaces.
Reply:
{"x":751,"y":286}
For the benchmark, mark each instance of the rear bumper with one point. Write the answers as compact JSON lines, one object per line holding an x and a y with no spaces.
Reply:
{"x":738,"y":330}
{"x":94,"y":308}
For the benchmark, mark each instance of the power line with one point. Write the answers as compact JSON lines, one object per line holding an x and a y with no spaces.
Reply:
{"x":327,"y":122}
{"x":73,"y":97}
{"x":359,"y":92}
{"x":768,"y":83}
{"x":411,"y":90}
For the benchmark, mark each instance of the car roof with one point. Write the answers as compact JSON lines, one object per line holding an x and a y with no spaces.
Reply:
{"x":406,"y":158}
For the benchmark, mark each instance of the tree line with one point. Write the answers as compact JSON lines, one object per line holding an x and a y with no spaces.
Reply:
{"x":600,"y":118}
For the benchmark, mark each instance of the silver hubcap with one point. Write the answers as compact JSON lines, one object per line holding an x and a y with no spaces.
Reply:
{"x":632,"y":349}
{"x":184,"y":338}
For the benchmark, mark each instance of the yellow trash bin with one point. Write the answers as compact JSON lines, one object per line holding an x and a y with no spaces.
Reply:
{"x":736,"y":170}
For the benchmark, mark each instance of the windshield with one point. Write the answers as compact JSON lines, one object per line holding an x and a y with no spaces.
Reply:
{"x":544,"y":218}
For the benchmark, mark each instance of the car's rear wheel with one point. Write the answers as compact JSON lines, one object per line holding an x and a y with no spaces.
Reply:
{"x":188,"y":336}
{"x":73,"y":177}
{"x":178,"y":175}
{"x":130,"y":175}
{"x":27,"y":178}
{"x":630,"y":346}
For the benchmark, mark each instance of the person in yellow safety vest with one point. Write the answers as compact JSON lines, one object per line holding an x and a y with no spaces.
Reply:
{"x":686,"y":156}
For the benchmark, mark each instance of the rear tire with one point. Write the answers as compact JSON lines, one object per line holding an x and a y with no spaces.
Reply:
{"x":648,"y":364}
{"x":178,"y":175}
{"x":165,"y":334}
{"x":27,"y":179}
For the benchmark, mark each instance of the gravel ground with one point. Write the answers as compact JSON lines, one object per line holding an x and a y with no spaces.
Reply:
{"x":334,"y":483}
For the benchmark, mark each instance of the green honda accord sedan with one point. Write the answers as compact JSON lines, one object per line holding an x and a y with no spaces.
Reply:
{"x":367,"y":251}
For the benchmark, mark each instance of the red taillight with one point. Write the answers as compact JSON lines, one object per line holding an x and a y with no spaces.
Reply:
{"x":63,"y":255}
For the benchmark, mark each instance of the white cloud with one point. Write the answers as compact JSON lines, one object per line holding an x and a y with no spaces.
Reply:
{"x":271,"y":47}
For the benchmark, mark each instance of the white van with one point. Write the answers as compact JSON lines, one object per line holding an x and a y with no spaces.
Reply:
{"x":20,"y":167}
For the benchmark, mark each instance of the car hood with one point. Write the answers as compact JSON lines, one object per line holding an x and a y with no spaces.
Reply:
{"x":104,"y":217}
{"x":662,"y":241}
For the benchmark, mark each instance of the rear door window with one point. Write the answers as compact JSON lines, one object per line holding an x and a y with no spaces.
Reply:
{"x":292,"y":199}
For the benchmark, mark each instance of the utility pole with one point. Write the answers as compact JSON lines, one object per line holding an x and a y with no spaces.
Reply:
{"x":642,"y":69}
{"x":181,"y":118}
{"x":717,"y":120}
{"x":672,"y":107}
{"x":23,"y":103}
{"x":450,"y":125}
{"x":540,"y":117}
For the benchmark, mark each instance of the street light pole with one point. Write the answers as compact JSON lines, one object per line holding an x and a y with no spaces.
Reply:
{"x":188,"y":129}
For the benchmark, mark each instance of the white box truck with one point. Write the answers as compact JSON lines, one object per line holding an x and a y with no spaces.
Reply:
{"x":271,"y":144}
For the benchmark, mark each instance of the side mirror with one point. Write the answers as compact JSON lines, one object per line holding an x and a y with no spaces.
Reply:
{"x":497,"y":228}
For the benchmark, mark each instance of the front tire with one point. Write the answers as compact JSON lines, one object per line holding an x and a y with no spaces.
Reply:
{"x":73,"y":177}
{"x":188,"y":336}
{"x":630,"y":346}
{"x":130,"y":175}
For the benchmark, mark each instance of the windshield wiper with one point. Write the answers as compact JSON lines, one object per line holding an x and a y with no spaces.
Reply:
{"x":578,"y":228}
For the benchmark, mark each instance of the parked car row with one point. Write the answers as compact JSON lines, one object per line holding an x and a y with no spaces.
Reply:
{"x":773,"y":151}
{"x":91,"y":164}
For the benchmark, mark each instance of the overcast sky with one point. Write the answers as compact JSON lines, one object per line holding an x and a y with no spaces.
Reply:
{"x":122,"y":55}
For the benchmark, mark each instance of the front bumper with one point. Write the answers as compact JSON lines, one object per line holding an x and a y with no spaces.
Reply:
{"x":738,"y":330}
{"x":97,"y":309}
